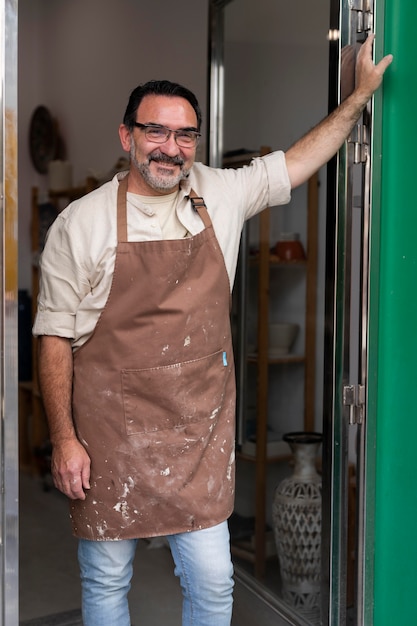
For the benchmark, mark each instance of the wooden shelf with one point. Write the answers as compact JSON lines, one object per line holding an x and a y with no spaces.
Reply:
{"x":274,"y":260}
{"x":269,"y":459}
{"x":245,"y":550}
{"x":276,"y":360}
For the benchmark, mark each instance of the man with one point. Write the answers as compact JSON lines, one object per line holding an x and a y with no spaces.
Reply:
{"x":136,"y":364}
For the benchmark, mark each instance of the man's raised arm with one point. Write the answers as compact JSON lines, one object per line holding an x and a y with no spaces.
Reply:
{"x":320,"y":144}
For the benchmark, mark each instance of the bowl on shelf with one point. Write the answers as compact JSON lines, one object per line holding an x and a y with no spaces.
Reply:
{"x":289,"y":247}
{"x":282,"y":337}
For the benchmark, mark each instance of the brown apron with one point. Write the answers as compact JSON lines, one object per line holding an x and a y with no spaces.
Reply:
{"x":154,"y":391}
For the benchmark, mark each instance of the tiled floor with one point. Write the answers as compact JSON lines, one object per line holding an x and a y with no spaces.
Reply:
{"x":49,"y":581}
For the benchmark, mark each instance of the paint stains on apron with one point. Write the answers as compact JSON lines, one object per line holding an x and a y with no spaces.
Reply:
{"x":154,"y":391}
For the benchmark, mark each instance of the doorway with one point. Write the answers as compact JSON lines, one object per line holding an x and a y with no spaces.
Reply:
{"x":70,"y":129}
{"x":252,"y":141}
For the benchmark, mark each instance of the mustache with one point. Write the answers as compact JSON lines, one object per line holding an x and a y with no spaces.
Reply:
{"x":160,"y":157}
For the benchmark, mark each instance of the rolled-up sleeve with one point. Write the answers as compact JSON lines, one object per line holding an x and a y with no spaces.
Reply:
{"x":62,"y":284}
{"x":278,"y":180}
{"x":265,"y":182}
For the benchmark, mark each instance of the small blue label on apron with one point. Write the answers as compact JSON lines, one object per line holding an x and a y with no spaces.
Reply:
{"x":225,"y":359}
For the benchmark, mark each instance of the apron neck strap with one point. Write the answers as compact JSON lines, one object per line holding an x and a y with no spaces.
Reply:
{"x":199,"y":207}
{"x":121,"y":210}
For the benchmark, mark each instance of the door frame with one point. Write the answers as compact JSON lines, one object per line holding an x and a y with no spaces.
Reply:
{"x":341,"y":411}
{"x":9,"y":470}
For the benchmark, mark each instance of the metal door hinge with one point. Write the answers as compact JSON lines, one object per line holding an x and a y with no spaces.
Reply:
{"x":354,"y":397}
{"x":358,"y":138}
{"x":365,"y":16}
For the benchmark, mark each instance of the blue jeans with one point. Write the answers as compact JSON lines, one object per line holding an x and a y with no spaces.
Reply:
{"x":202,"y":563}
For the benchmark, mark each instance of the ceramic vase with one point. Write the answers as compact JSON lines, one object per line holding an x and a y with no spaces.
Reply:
{"x":297,"y":527}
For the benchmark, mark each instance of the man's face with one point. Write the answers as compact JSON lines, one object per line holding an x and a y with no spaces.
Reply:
{"x":159,"y":167}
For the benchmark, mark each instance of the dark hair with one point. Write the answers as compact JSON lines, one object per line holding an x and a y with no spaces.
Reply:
{"x":158,"y":88}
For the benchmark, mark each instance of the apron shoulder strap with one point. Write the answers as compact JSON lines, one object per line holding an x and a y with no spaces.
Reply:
{"x":121,"y":210}
{"x":199,"y":207}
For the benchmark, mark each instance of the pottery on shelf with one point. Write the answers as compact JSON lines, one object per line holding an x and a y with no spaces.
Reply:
{"x":282,"y":337}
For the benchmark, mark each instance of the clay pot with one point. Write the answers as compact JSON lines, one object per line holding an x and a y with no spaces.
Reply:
{"x":289,"y":247}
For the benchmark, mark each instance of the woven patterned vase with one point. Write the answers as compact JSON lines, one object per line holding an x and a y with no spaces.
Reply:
{"x":296,"y":516}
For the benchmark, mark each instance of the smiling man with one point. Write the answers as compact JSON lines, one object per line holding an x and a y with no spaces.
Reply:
{"x":136,"y":362}
{"x":159,"y":169}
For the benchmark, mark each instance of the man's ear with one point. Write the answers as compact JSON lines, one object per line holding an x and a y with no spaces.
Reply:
{"x":124,"y":134}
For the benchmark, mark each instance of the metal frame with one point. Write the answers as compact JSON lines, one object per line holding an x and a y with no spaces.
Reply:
{"x":346,"y":369}
{"x":215,"y":87}
{"x":9,"y":306}
{"x":215,"y":90}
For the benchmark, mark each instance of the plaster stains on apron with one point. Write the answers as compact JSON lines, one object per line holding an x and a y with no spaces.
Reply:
{"x":154,"y":392}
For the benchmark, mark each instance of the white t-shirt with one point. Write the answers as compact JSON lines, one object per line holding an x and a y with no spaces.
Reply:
{"x":78,"y":259}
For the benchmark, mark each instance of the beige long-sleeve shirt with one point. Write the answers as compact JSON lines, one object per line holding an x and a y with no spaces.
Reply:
{"x":78,"y":259}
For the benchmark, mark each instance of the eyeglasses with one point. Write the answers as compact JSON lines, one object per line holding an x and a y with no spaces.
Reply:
{"x":160,"y":134}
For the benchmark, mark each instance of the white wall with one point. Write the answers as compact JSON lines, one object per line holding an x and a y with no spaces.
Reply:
{"x":81,"y":59}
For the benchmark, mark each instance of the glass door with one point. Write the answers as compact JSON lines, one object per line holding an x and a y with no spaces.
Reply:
{"x":273,"y":58}
{"x":348,"y":450}
{"x":340,"y":320}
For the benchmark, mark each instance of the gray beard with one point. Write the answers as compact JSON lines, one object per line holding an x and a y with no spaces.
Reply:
{"x":160,"y":182}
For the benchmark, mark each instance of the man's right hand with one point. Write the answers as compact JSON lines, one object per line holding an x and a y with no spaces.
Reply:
{"x":71,"y":469}
{"x":70,"y":461}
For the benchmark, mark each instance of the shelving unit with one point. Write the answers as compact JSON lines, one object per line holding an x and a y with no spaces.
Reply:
{"x":255,"y":550}
{"x":33,"y":431}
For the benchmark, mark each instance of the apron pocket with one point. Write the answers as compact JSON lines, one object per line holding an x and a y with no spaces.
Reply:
{"x":173,"y":396}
